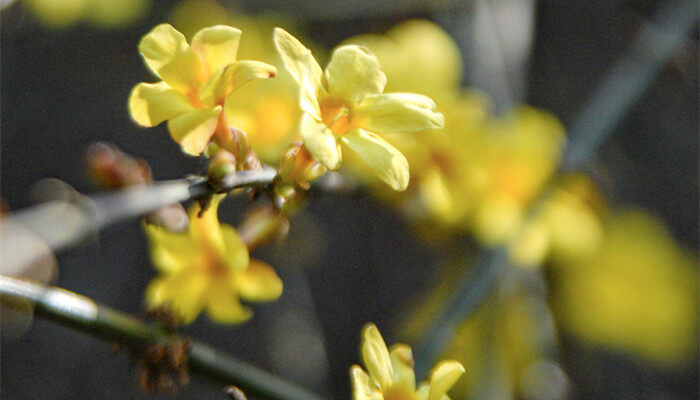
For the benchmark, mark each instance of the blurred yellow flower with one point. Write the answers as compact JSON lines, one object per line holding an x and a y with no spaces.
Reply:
{"x":638,"y":294}
{"x":345,"y":104}
{"x":207,"y":267}
{"x":522,"y":152}
{"x":197,"y":82}
{"x":102,"y":13}
{"x":566,"y":227}
{"x":416,"y":56}
{"x":390,"y":373}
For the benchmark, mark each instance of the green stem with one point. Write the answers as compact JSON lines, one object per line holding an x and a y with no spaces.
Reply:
{"x":83,"y":314}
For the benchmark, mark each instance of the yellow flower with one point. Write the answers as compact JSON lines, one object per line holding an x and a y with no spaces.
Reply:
{"x":102,"y":13}
{"x":207,"y":267}
{"x":390,"y":374}
{"x":197,"y":82}
{"x":344,"y":104}
{"x":637,"y":294}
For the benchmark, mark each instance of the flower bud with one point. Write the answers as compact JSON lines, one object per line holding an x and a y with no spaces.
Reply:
{"x":222,"y":164}
{"x":112,"y":169}
{"x":261,"y":226}
{"x":298,"y":167}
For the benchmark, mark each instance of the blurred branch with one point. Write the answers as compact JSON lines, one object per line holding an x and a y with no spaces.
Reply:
{"x":83,"y":314}
{"x":62,"y":224}
{"x":630,"y":76}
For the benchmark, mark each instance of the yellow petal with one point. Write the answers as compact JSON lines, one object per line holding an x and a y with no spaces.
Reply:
{"x":354,"y":73}
{"x":321,"y":142}
{"x":217,"y":46}
{"x":206,"y":229}
{"x":224,"y":306}
{"x":387,"y":163}
{"x":167,"y":53}
{"x":226,"y":80}
{"x":362,"y":387}
{"x":303,"y":67}
{"x":376,"y":356}
{"x":193,"y":129}
{"x":184,"y":293}
{"x":402,"y":363}
{"x":236,"y":253}
{"x":399,"y":112}
{"x":170,"y":252}
{"x":259,"y":282}
{"x":152,"y":103}
{"x":444,"y":375}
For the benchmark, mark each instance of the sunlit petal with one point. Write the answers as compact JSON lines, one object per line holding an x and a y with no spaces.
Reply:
{"x":194,"y":129}
{"x":399,"y":113}
{"x":354,"y":73}
{"x":387,"y":163}
{"x":152,"y":103}
{"x":259,"y":282}
{"x":321,"y":142}
{"x":217,"y":46}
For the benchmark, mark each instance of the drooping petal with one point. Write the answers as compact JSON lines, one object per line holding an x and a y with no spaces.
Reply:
{"x":321,"y":142}
{"x":205,"y":229}
{"x":444,"y":375}
{"x":224,"y":81}
{"x":354,"y":73}
{"x":183,"y":293}
{"x":259,"y":282}
{"x":362,"y":387}
{"x":235,"y":251}
{"x":217,"y":46}
{"x":193,"y":129}
{"x":224,"y":306}
{"x":387,"y":163}
{"x":170,"y":252}
{"x":167,"y":53}
{"x":402,"y":364}
{"x":303,"y":67}
{"x":152,"y":103}
{"x":376,"y":356}
{"x":399,"y":113}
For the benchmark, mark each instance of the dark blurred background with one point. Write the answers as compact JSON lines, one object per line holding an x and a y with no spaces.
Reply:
{"x":352,"y":260}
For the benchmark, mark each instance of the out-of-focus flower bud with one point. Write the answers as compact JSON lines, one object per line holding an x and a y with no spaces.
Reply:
{"x":298,"y":167}
{"x":172,"y":217}
{"x":263,"y":225}
{"x":112,"y":169}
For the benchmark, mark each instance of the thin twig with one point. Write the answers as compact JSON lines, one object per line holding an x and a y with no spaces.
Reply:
{"x":596,"y":121}
{"x":61,"y":225}
{"x":83,"y":314}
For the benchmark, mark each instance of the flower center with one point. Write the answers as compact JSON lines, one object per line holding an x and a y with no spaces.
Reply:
{"x":336,"y":115}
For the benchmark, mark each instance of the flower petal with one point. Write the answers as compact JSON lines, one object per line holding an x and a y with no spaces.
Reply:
{"x":376,"y":356}
{"x":354,"y":73}
{"x":193,"y":129}
{"x":226,"y":80}
{"x":388,"y":163}
{"x":205,"y":229}
{"x":224,"y":306}
{"x":236,"y":253}
{"x":321,"y":142}
{"x":170,"y":252}
{"x":399,"y":113}
{"x":362,"y":387}
{"x":152,"y":103}
{"x":444,"y":375}
{"x":402,"y":364}
{"x":183,"y":293}
{"x":303,"y":67}
{"x":217,"y":46}
{"x":259,"y":282}
{"x":167,"y":53}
